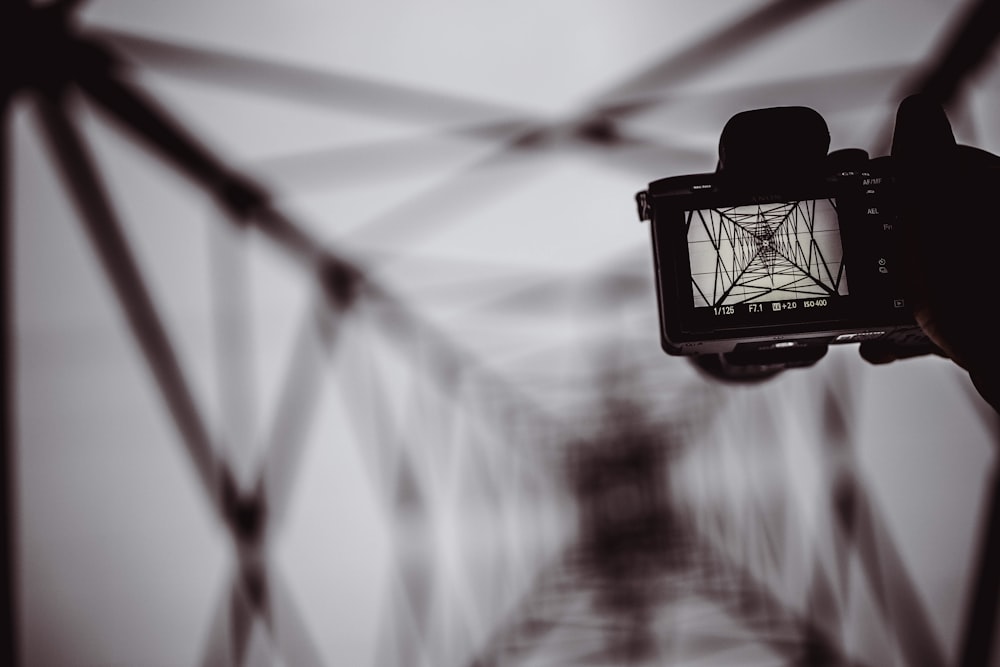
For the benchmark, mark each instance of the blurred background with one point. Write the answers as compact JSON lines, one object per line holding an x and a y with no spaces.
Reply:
{"x":331,"y":339}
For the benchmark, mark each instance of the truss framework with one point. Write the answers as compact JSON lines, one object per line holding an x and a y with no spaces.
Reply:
{"x":765,"y":252}
{"x":64,"y":62}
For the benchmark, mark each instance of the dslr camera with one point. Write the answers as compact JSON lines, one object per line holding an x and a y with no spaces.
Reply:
{"x":762,"y":267}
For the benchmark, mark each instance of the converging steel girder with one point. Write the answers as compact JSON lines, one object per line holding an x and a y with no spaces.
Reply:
{"x":55,"y":60}
{"x":62,"y":63}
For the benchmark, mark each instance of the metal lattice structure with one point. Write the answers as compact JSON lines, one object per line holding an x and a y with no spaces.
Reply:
{"x":765,"y":252}
{"x":440,"y":429}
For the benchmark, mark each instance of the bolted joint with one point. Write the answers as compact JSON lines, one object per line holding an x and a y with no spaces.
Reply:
{"x":242,"y":198}
{"x":340,"y":282}
{"x":245,"y":513}
{"x":45,"y":44}
{"x":599,"y":130}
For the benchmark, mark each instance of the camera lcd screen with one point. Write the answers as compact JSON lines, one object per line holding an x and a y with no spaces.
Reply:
{"x":765,"y":258}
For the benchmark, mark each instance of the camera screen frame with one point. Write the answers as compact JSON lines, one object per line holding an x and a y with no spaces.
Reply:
{"x":758,"y":262}
{"x":868,"y":259}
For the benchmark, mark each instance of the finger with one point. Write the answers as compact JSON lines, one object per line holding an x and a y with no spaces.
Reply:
{"x":883,"y":352}
{"x":923,"y":150}
{"x":922,"y":134}
{"x":876,"y":353}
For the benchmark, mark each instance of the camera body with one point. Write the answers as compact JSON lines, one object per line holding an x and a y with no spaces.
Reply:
{"x":771,"y":269}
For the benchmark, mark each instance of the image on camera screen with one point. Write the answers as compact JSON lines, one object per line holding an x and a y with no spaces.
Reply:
{"x":765,"y":252}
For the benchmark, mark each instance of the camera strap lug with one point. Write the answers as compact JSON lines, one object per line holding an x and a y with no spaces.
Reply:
{"x":642,"y":202}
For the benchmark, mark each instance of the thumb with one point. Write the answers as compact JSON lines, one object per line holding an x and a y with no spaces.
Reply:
{"x":924,"y":153}
{"x":922,"y":135}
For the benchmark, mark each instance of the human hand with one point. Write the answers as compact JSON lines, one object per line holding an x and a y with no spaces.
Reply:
{"x":950,"y":215}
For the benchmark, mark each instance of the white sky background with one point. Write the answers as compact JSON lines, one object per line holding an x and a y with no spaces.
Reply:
{"x":533,"y":267}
